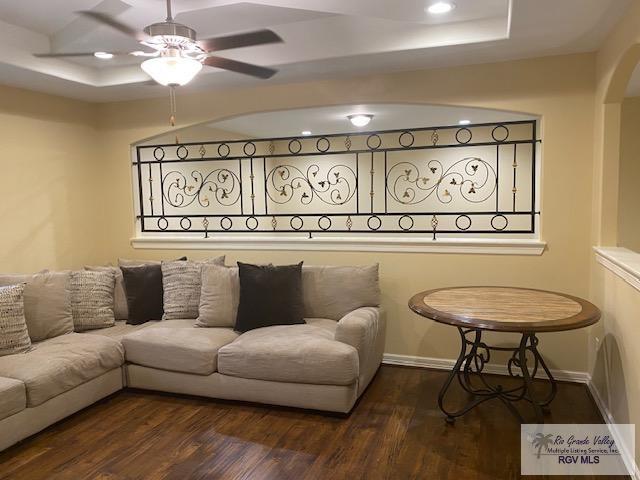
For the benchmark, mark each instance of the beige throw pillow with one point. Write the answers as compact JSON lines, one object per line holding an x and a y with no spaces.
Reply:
{"x":47,"y":303}
{"x":120,"y":309}
{"x":92,"y":299}
{"x":14,"y":337}
{"x":219,"y":297}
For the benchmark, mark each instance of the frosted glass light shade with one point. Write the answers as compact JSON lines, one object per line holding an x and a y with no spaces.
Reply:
{"x":172,"y":70}
{"x":360,"y":120}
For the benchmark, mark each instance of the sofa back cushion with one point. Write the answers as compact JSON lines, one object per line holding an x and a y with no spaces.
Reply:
{"x":92,"y":299}
{"x":14,"y":337}
{"x":333,"y":291}
{"x":47,"y":303}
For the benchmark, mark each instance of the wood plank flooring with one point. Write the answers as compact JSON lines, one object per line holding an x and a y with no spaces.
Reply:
{"x":395,"y":432}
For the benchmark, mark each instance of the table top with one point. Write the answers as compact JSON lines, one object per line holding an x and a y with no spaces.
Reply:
{"x":505,"y":309}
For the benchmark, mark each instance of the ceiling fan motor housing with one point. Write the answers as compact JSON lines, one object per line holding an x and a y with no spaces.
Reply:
{"x":170,"y":29}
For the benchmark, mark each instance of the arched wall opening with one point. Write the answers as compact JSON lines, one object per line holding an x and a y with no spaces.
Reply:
{"x":425,"y":172}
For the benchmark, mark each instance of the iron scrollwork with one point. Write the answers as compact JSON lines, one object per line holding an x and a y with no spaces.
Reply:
{"x":221,"y":185}
{"x":473,"y":178}
{"x":335,"y":187}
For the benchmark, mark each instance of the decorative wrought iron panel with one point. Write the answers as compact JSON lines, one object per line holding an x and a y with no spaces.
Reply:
{"x":476,"y":179}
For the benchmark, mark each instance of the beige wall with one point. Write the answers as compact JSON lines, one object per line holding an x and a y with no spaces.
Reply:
{"x":49,"y":157}
{"x":560,"y":89}
{"x":614,"y":358}
{"x":629,"y":189}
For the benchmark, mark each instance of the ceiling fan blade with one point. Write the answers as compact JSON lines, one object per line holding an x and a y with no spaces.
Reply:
{"x":240,"y":67}
{"x":115,"y":24}
{"x":72,"y":54}
{"x":259,"y":37}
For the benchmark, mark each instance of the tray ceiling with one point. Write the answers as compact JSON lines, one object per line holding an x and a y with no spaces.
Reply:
{"x":323,"y":38}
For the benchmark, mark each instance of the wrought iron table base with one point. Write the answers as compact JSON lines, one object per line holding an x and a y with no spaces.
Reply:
{"x":475,"y":354}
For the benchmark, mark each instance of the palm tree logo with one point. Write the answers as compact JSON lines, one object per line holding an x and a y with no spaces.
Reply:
{"x":541,"y":441}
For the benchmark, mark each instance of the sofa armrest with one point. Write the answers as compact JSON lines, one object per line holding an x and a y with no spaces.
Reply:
{"x":364,"y":329}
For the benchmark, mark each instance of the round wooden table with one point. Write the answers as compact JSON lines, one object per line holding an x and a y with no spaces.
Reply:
{"x":502,"y":309}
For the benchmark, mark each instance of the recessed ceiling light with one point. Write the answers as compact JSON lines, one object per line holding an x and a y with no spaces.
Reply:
{"x":464,"y":122}
{"x":306,"y":132}
{"x":103,"y":55}
{"x":360,"y":119}
{"x":439,"y":8}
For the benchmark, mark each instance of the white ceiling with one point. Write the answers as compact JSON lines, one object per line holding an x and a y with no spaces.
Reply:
{"x":323,"y":38}
{"x":328,"y":120}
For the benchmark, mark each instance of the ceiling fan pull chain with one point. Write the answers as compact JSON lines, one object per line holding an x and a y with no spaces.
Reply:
{"x":172,"y":107}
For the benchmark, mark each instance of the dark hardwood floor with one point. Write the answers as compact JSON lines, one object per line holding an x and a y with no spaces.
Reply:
{"x":395,"y":432}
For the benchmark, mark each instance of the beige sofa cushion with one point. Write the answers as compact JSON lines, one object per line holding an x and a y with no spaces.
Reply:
{"x":290,"y":353}
{"x":332,"y":292}
{"x":13,"y":397}
{"x":120,"y":329}
{"x":219,"y":297}
{"x":47,"y":303}
{"x":59,"y":364}
{"x":178,"y":346}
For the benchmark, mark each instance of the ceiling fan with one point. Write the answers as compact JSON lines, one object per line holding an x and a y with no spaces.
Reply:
{"x":177,"y":55}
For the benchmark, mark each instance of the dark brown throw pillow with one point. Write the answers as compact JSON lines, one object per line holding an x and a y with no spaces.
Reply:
{"x":143,"y":286}
{"x":269,"y":295}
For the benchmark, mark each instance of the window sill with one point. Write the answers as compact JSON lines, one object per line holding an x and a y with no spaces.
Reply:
{"x":623,"y":262}
{"x":490,"y":246}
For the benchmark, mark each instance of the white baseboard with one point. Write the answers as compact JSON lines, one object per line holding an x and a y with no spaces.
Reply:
{"x":447,"y":364}
{"x":627,"y":455}
{"x":562,"y":375}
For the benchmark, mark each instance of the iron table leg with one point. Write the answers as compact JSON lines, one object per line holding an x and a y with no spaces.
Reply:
{"x":468,"y":369}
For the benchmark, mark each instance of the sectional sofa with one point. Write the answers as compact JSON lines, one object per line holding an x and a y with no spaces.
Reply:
{"x":324,"y":364}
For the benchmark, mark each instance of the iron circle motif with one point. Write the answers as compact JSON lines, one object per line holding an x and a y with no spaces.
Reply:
{"x":298,"y":146}
{"x":376,"y":219}
{"x":226,"y":223}
{"x":406,"y":228}
{"x":324,"y":227}
{"x":406,"y":143}
{"x":187,"y":225}
{"x":182,"y":152}
{"x":461,"y":226}
{"x":253,"y":225}
{"x":158,"y":153}
{"x":298,"y":219}
{"x":500,"y":138}
{"x":252,"y":149}
{"x":497,"y":226}
{"x":223,"y":147}
{"x":376,"y":137}
{"x":163,"y":223}
{"x":326,"y":143}
{"x":460,"y":139}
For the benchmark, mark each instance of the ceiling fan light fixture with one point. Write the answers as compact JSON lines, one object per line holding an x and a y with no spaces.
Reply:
{"x":438,"y":8}
{"x":103,"y":55}
{"x":360,"y":119}
{"x":172,"y":69}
